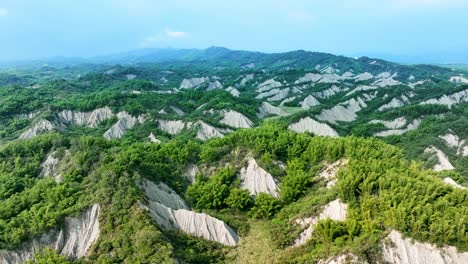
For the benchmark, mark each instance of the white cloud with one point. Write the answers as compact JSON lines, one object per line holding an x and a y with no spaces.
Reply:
{"x":165,"y":38}
{"x":3,"y":12}
{"x":175,"y":34}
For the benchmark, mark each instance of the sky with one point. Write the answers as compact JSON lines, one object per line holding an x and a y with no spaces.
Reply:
{"x":418,"y":29}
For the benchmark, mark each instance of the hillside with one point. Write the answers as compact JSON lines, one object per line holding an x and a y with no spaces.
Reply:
{"x":221,"y":156}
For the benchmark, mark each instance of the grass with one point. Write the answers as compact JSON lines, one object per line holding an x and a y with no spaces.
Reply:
{"x":257,"y":246}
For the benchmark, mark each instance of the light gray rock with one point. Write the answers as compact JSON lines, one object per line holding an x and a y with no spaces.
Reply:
{"x":412,"y":126}
{"x":89,"y":119}
{"x":267,"y":109}
{"x":309,"y":102}
{"x":363,"y":77}
{"x":214,"y":85}
{"x":307,"y":124}
{"x":73,"y":240}
{"x":399,"y":250}
{"x":449,"y":100}
{"x":450,"y":181}
{"x":268,"y":85}
{"x":443,"y":161}
{"x":256,"y":180}
{"x":335,"y":210}
{"x":39,"y":128}
{"x":152,"y":138}
{"x":246,"y":79}
{"x":329,"y":92}
{"x":170,"y":212}
{"x":391,"y":124}
{"x":49,"y":168}
{"x":458,"y":79}
{"x":193,"y":82}
{"x":236,"y":119}
{"x":347,"y":110}
{"x":125,"y":123}
{"x":454,"y":141}
{"x":233,"y":91}
{"x":163,"y":194}
{"x":206,"y":131}
{"x":173,"y":127}
{"x":190,"y":172}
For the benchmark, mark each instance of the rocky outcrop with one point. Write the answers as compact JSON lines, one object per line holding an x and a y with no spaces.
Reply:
{"x":73,"y":240}
{"x":391,"y":124}
{"x":329,"y":92}
{"x":449,"y":100}
{"x":330,"y":170}
{"x":246,"y":79}
{"x":363,"y":77}
{"x":335,"y":210}
{"x":236,"y":119}
{"x":152,"y":138}
{"x":163,"y":194}
{"x":170,"y":212}
{"x":399,"y":250}
{"x":190,"y":172}
{"x":256,"y":180}
{"x":346,"y":111}
{"x":39,"y":128}
{"x":268,"y":85}
{"x":125,"y":123}
{"x":450,"y":181}
{"x":193,"y":82}
{"x":274,"y":94}
{"x":173,"y":127}
{"x":89,"y":119}
{"x":454,"y":141}
{"x":267,"y":109}
{"x":394,"y":103}
{"x":309,"y":102}
{"x":49,"y":168}
{"x":307,"y":124}
{"x":412,"y":126}
{"x":214,"y":85}
{"x":206,"y":131}
{"x":443,"y":161}
{"x":458,"y":79}
{"x":322,"y":78}
{"x":385,"y":79}
{"x":233,"y":91}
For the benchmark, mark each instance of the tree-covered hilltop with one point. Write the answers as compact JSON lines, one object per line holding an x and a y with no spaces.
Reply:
{"x":382,"y":190}
{"x":220,"y":156}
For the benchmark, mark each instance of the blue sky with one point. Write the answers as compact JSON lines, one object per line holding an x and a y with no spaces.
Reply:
{"x":419,"y":28}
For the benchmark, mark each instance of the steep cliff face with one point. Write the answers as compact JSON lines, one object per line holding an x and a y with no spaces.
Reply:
{"x":49,"y":167}
{"x":399,"y":250}
{"x":335,"y":210}
{"x":40,"y":127}
{"x":307,"y":124}
{"x":169,"y":210}
{"x":125,"y":123}
{"x":256,"y":180}
{"x":73,"y":240}
{"x":89,"y":119}
{"x":236,"y":119}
